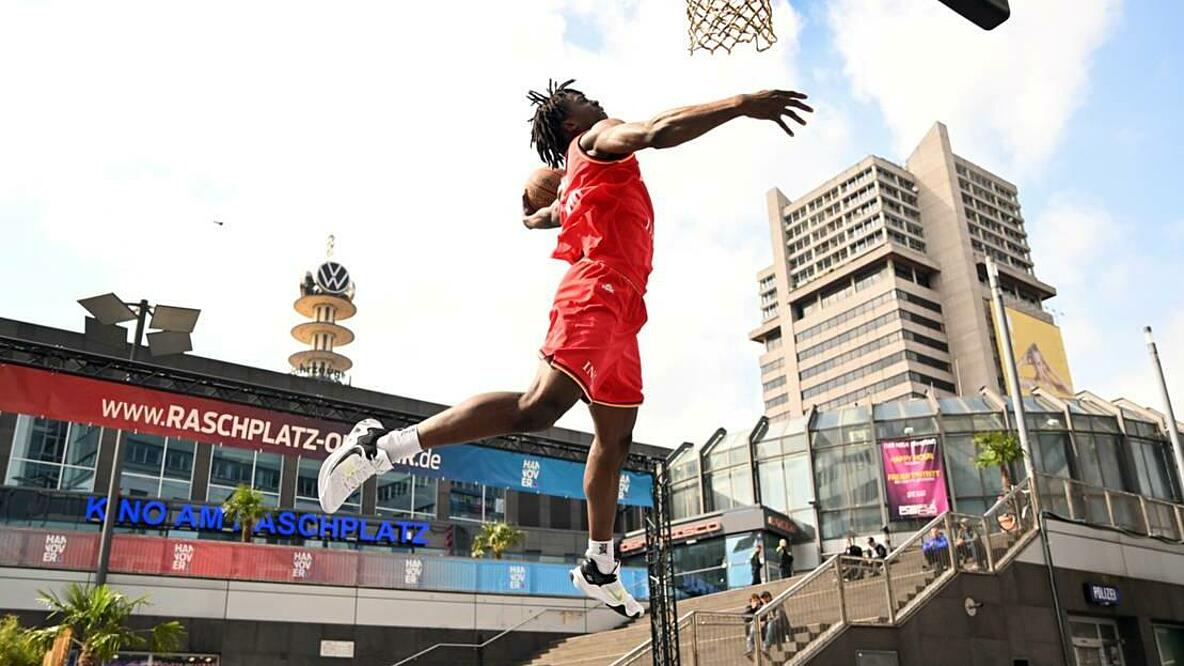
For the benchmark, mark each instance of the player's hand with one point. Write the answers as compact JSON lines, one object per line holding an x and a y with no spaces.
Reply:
{"x":527,"y":209}
{"x":776,"y":105}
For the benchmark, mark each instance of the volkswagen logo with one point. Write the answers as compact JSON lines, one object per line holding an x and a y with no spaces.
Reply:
{"x":332,"y":277}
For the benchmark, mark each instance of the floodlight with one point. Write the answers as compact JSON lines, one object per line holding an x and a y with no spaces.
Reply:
{"x":165,"y":343}
{"x":173,"y":318}
{"x":107,"y":334}
{"x":109,"y":309}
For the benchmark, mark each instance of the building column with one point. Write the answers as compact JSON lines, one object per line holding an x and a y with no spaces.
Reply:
{"x":7,"y":433}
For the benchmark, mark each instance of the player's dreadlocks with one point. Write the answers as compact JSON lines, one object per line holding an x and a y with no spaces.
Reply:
{"x":547,"y":134}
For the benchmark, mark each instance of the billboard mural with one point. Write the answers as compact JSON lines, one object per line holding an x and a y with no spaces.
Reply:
{"x":914,"y":478}
{"x":114,"y":405}
{"x":1039,"y":355}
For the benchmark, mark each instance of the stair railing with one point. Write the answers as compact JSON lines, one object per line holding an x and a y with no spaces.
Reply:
{"x":638,"y":653}
{"x":853,"y":590}
{"x":587,"y":608}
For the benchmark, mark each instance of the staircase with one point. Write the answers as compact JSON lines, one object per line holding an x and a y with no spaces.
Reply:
{"x":818,"y":606}
{"x":607,"y":646}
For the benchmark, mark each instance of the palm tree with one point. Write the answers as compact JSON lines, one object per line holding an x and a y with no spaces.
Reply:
{"x":998,"y":449}
{"x":97,"y":620}
{"x":496,"y":538}
{"x":17,"y":645}
{"x":245,"y":507}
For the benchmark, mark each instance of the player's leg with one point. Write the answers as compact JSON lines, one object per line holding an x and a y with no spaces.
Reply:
{"x":597,"y":575}
{"x":490,"y":414}
{"x":602,"y":474}
{"x":370,"y":448}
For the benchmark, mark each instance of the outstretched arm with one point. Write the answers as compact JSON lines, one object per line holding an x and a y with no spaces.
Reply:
{"x":613,"y":138}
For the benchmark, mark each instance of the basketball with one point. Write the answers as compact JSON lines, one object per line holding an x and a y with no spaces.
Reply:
{"x":542,"y":187}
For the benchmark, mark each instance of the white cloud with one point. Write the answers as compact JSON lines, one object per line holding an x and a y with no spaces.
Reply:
{"x":1110,"y":285}
{"x":142,"y":122}
{"x":1006,"y":94}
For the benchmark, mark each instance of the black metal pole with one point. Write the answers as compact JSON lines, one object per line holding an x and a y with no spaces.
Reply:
{"x":111,"y":513}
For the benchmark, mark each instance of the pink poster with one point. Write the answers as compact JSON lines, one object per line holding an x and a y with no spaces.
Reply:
{"x":914,"y":478}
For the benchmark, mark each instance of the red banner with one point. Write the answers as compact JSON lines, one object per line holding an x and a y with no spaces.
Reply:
{"x":114,"y":405}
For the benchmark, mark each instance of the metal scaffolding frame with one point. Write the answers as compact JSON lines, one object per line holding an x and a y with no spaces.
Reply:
{"x":659,"y":560}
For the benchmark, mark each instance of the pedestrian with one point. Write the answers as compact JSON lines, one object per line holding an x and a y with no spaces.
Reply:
{"x":777,"y":625}
{"x":786,"y":561}
{"x":878,"y":552}
{"x":854,"y":569}
{"x":754,"y":605}
{"x":758,"y":563}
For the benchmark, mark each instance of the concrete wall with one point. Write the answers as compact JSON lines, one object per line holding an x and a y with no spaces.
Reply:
{"x":266,"y":623}
{"x":1017,"y":619}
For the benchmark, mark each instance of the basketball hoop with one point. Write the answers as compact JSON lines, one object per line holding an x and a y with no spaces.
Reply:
{"x":722,"y":24}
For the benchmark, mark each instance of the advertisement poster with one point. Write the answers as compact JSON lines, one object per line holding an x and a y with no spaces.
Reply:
{"x":914,"y":478}
{"x":1039,"y":355}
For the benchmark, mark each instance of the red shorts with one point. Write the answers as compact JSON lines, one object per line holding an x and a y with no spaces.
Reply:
{"x":593,"y":334}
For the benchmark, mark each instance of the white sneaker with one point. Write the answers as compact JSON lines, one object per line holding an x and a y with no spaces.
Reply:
{"x":605,"y":588}
{"x":351,"y":464}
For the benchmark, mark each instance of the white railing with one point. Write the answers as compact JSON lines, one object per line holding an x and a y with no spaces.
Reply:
{"x":1095,"y":505}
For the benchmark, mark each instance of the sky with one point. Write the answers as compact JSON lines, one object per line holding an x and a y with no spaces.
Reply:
{"x":127,"y":128}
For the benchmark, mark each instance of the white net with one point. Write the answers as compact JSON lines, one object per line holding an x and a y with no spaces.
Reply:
{"x":722,"y":24}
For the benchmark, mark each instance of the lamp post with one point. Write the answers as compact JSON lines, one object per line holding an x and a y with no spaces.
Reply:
{"x":1013,"y":376}
{"x":1173,"y":435}
{"x":174,"y":324}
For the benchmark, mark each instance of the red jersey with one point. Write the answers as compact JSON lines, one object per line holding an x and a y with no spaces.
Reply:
{"x":606,"y":215}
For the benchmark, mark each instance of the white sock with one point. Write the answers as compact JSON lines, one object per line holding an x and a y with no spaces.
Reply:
{"x":400,"y":444}
{"x":601,"y":552}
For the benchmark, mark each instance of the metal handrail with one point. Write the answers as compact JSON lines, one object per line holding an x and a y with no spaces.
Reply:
{"x":534,"y":616}
{"x":564,"y":609}
{"x":636,"y":652}
{"x":780,"y":598}
{"x":898,"y":552}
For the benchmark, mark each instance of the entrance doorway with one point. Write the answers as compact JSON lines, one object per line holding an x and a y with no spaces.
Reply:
{"x":1095,"y":642}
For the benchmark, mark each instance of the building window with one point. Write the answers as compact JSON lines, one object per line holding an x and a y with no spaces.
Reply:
{"x":231,"y":467}
{"x":400,"y":493}
{"x":728,"y":475}
{"x":155,"y":466}
{"x":57,"y":455}
{"x":776,"y":382}
{"x":776,"y":401}
{"x":773,"y":343}
{"x":772,"y":365}
{"x":306,"y":489}
{"x":474,"y":501}
{"x":847,"y":482}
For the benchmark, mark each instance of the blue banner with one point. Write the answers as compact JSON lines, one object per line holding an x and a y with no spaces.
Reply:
{"x":521,"y":472}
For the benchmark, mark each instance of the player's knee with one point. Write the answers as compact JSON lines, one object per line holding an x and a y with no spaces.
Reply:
{"x":617,"y":444}
{"x":537,"y":413}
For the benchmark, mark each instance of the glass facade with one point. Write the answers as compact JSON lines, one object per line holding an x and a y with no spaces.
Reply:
{"x":727,"y":475}
{"x":157,"y":467}
{"x":826,"y":471}
{"x":306,"y":489}
{"x":231,"y":467}
{"x":55,"y":455}
{"x":476,"y":502}
{"x":403,"y":494}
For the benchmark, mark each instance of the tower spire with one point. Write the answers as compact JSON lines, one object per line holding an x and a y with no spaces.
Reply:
{"x":326,"y":298}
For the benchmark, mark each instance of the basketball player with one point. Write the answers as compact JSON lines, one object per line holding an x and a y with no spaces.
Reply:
{"x":606,"y":233}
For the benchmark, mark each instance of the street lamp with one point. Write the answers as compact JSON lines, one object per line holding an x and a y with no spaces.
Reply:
{"x":173,"y":324}
{"x":1173,"y":435}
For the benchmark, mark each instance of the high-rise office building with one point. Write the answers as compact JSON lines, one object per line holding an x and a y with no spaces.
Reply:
{"x":878,"y":287}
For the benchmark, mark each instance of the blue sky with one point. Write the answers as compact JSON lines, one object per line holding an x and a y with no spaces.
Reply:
{"x":137,"y":124}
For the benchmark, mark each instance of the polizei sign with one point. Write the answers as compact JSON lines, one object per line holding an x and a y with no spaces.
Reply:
{"x":155,"y":513}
